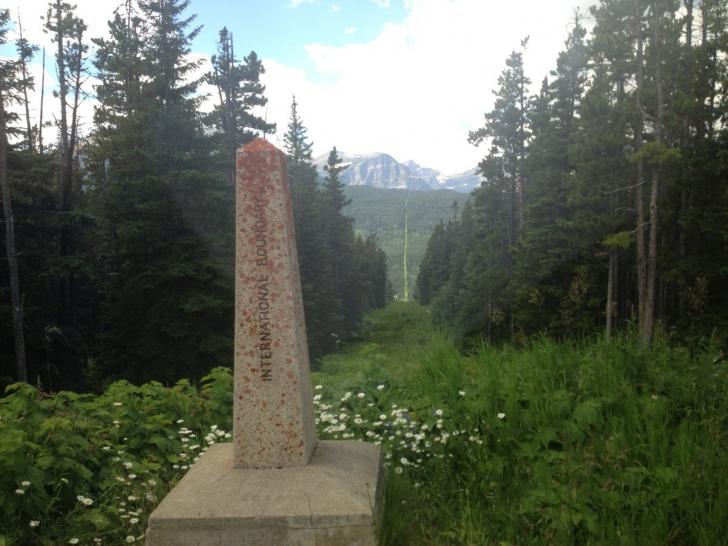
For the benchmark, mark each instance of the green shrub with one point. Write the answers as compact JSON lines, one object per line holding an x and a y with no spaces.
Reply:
{"x":557,"y":443}
{"x":89,"y":469}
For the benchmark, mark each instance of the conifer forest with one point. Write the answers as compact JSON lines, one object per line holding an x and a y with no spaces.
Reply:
{"x":603,"y":206}
{"x":119,"y":237}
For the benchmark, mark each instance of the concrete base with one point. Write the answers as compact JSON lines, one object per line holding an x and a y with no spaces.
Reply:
{"x":334,"y":500}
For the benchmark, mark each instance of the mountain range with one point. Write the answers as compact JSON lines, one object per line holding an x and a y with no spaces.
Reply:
{"x":380,"y":170}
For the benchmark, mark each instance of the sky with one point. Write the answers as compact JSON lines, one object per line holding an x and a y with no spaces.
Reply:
{"x":405,"y":77}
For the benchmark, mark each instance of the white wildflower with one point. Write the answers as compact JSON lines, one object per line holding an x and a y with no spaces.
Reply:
{"x":438,"y":412}
{"x":34,"y":523}
{"x":501,"y":416}
{"x":130,"y":539}
{"x":73,"y":540}
{"x":20,"y":491}
{"x":380,"y":387}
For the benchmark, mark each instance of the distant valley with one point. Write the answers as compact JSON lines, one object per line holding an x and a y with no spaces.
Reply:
{"x":380,"y":211}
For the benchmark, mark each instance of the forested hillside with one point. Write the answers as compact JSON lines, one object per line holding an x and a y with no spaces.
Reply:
{"x":119,"y":236}
{"x":604,"y":199}
{"x":380,"y":212}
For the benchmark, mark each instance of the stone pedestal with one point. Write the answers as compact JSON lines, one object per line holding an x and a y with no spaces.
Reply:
{"x":334,"y":500}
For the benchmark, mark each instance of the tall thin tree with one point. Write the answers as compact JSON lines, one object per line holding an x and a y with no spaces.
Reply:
{"x":10,"y":85}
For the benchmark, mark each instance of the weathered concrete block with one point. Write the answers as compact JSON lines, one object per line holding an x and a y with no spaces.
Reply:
{"x":334,"y":500}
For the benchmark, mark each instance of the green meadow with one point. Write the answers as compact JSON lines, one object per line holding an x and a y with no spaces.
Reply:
{"x":593,"y":442}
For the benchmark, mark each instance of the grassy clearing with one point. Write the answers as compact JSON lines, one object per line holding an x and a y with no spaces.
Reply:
{"x":595,"y":443}
{"x":576,"y":443}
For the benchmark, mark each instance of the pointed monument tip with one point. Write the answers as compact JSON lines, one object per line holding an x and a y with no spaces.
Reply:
{"x":260,"y":145}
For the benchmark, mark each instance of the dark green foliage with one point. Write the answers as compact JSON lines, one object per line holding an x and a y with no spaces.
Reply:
{"x":167,"y":214}
{"x":81,"y":465}
{"x":168,"y":289}
{"x":626,"y":121}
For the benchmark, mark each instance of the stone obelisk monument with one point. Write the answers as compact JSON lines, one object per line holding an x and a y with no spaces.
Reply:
{"x":274,"y":485}
{"x":273,"y":417}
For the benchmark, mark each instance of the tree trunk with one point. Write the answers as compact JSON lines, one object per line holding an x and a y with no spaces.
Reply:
{"x":65,"y":173}
{"x":42,"y":95}
{"x":24,"y":72}
{"x":611,"y":289}
{"x":685,"y":132}
{"x":15,"y":298}
{"x":654,"y":190}
{"x":639,"y":197}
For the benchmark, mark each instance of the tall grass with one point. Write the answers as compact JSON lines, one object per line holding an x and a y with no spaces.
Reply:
{"x":597,"y":442}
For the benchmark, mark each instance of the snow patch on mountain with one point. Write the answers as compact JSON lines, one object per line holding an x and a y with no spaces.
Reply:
{"x":381,"y":170}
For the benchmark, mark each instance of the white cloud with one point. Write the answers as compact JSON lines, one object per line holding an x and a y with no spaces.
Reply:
{"x":334,"y":8}
{"x":349,"y":30}
{"x":381,"y":3}
{"x":296,"y":3}
{"x":418,"y":87}
{"x":415,"y":90}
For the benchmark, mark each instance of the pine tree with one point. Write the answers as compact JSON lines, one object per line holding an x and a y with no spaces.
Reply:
{"x":168,"y":217}
{"x":26,"y":51}
{"x":340,"y":247}
{"x":547,"y":254}
{"x":170,"y":118}
{"x":12,"y":81}
{"x":503,"y":168}
{"x":320,"y":305}
{"x":239,"y":92}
